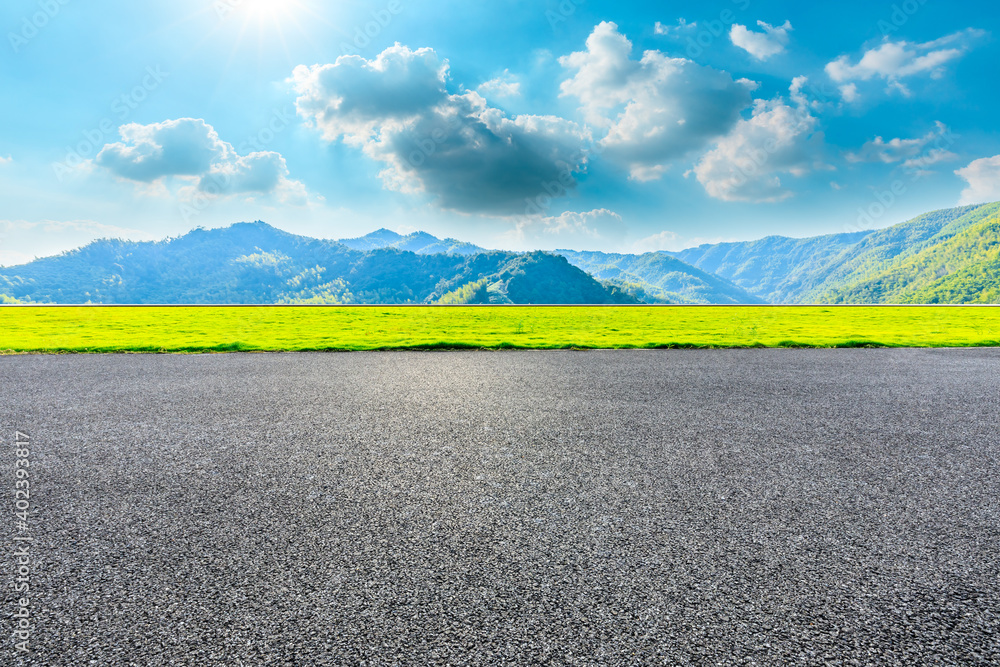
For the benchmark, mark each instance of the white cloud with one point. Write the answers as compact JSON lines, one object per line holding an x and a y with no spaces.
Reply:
{"x":6,"y":160}
{"x":915,"y":154}
{"x":749,"y":163}
{"x":761,"y":45}
{"x":682,"y":26}
{"x":260,"y":173}
{"x":931,"y":157}
{"x":894,"y":61}
{"x":664,"y":240}
{"x":456,"y":148}
{"x":655,"y":109}
{"x":983,"y":176}
{"x":182,"y":147}
{"x":807,"y":96}
{"x":505,"y":85}
{"x":849,"y":92}
{"x":820,"y":97}
{"x":353,"y":97}
{"x":190,"y":149}
{"x":596,"y":229}
{"x":645,"y":173}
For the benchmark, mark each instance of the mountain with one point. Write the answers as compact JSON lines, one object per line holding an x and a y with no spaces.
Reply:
{"x":958,"y":264}
{"x":657,"y":277}
{"x":421,"y":243}
{"x":944,"y":255}
{"x":256,"y":263}
{"x":772,"y":268}
{"x":947,"y":256}
{"x":880,"y":250}
{"x":518,"y":282}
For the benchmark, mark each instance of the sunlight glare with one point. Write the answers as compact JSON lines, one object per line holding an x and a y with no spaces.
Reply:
{"x":267,"y":10}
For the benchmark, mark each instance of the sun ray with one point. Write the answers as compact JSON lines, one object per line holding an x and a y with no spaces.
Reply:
{"x":269,"y":11}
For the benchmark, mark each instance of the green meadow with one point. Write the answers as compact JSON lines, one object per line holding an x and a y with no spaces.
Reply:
{"x":267,"y":328}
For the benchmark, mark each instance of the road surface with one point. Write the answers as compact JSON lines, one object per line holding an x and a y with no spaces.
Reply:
{"x":745,"y":507}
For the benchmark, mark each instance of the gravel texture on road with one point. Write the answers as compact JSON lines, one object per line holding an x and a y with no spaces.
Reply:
{"x":731,"y":507}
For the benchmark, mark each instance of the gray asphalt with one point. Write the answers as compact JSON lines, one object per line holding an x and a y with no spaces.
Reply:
{"x":753,"y":507}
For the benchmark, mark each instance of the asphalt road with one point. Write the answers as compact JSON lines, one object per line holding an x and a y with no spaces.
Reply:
{"x":752,"y":507}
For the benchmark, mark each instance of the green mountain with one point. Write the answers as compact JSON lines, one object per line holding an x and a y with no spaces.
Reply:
{"x":520,"y":281}
{"x":939,"y":257}
{"x":947,"y":256}
{"x":256,"y":263}
{"x":657,"y":277}
{"x":883,"y":249}
{"x":775,"y":268}
{"x":959,"y":264}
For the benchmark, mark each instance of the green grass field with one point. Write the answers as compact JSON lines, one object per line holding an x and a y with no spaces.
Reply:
{"x":221,"y":329}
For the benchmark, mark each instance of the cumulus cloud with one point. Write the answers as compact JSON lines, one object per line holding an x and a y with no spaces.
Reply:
{"x":596,"y":229}
{"x":807,"y":96}
{"x":504,"y":85}
{"x":655,"y":109}
{"x":682,"y":26}
{"x":183,"y":147}
{"x":761,"y":45}
{"x":894,"y":61}
{"x":190,"y":148}
{"x":455,"y":147}
{"x":6,"y":160}
{"x":354,"y":97}
{"x":916,"y":154}
{"x":665,"y":240}
{"x":263,"y":172}
{"x":749,"y":163}
{"x":983,"y":177}
{"x":849,"y":92}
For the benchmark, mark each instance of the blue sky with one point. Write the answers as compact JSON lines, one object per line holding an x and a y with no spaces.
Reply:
{"x":516,"y":124}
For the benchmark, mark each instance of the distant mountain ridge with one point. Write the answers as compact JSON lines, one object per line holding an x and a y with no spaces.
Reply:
{"x":420,"y":243}
{"x":658,"y":277}
{"x":254,"y":263}
{"x":946,"y":256}
{"x":772,"y":268}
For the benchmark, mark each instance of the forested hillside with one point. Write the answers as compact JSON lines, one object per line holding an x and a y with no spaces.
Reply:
{"x":773,"y":268}
{"x":945,"y":256}
{"x":959,"y":268}
{"x":883,"y":249}
{"x":657,"y":277}
{"x":948,"y":256}
{"x":256,"y":263}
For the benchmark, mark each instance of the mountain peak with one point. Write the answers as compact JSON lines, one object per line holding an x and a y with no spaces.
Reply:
{"x":243,"y":227}
{"x":380,"y":238}
{"x":256,"y":224}
{"x":419,"y":242}
{"x":383,"y":234}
